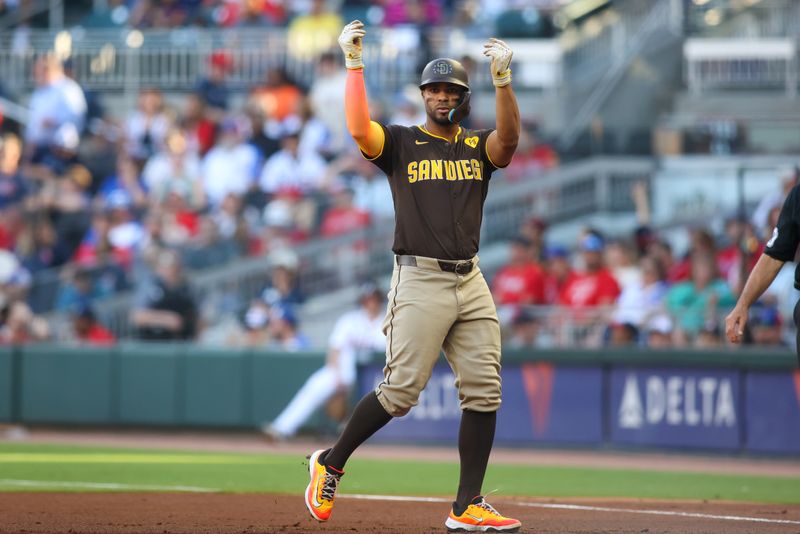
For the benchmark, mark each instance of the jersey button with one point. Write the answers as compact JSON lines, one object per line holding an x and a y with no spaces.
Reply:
{"x":455,"y":194}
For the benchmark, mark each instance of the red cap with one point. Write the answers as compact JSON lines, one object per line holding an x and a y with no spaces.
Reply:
{"x":221,"y":59}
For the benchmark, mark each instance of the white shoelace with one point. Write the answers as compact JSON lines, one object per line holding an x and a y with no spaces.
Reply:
{"x":488,"y":507}
{"x":329,"y":485}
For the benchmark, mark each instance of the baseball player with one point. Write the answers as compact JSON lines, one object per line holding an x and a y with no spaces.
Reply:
{"x":357,"y":333}
{"x":780,"y":248}
{"x":439,"y":175}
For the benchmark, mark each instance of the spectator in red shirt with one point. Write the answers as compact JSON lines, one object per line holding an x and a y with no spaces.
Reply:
{"x":700,"y":242}
{"x":532,"y":156}
{"x":88,"y":330}
{"x":594,"y":285}
{"x":520,"y":282}
{"x":199,"y":123}
{"x":343,"y":217}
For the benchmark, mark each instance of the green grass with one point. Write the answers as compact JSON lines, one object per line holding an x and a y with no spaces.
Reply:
{"x":277,"y":473}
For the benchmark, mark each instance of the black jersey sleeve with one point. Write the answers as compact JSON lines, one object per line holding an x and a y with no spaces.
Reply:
{"x":785,"y":236}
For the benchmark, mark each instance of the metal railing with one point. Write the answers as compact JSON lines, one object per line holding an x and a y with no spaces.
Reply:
{"x":33,"y":8}
{"x":620,"y":42}
{"x":744,"y":20}
{"x":13,"y":111}
{"x":593,"y":47}
{"x":125,"y":60}
{"x":741,"y":63}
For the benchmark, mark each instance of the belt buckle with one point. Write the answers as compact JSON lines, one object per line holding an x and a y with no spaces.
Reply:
{"x":463,"y":268}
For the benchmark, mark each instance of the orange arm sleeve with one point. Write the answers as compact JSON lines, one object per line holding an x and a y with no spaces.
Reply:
{"x":366,"y":133}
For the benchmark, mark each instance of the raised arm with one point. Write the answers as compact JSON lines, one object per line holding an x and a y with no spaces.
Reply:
{"x":502,"y":142}
{"x":366,"y":133}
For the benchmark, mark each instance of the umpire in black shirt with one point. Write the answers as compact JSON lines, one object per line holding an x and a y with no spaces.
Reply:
{"x":780,"y":248}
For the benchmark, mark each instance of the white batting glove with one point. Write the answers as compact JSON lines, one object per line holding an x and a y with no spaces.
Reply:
{"x":350,"y":41}
{"x":500,"y":54}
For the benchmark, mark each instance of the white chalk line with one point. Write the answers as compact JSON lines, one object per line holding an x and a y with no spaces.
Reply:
{"x":658,"y":512}
{"x":586,"y":508}
{"x":396,"y":498}
{"x":7,"y":482}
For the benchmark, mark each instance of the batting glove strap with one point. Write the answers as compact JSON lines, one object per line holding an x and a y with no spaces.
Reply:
{"x":501,"y":79}
{"x":353,"y":62}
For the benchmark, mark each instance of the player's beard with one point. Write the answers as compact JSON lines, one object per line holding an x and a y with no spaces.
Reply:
{"x":438,"y":119}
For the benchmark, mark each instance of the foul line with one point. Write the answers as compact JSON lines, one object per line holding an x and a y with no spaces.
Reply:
{"x":99,"y":485}
{"x":584,"y":508}
{"x":657,"y":512}
{"x":145,"y":458}
{"x":398,"y":498}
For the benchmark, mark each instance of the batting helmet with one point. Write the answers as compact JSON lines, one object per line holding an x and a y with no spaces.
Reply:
{"x":448,"y":70}
{"x":444,"y":70}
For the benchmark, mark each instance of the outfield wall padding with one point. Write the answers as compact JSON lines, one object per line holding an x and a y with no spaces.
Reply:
{"x":66,"y":385}
{"x":727,"y":400}
{"x":151,"y":385}
{"x":6,"y":383}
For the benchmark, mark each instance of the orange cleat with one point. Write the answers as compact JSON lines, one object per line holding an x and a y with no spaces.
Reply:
{"x":480,"y":517}
{"x":321,"y":490}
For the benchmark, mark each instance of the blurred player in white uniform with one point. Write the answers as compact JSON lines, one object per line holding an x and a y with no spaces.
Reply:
{"x":356,"y":335}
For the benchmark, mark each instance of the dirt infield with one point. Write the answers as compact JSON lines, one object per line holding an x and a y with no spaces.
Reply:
{"x":225,"y":513}
{"x":265,"y":513}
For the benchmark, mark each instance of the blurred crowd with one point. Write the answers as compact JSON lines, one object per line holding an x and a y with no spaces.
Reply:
{"x":135,"y":203}
{"x":136,"y":200}
{"x":323,"y":19}
{"x":108,"y":198}
{"x":105,"y":200}
{"x":636,"y":290}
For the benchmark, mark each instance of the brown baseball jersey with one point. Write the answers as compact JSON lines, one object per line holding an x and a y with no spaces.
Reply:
{"x":438,"y":188}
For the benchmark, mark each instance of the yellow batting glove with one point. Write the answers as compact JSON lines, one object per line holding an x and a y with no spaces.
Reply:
{"x":500,"y":54}
{"x":350,"y":42}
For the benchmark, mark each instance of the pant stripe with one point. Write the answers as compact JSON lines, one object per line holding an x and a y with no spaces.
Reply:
{"x":391,"y":327}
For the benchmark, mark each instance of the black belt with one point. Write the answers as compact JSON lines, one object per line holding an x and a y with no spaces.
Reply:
{"x":460,"y":268}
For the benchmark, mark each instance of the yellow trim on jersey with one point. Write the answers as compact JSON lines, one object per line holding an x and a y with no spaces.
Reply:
{"x":439,"y":136}
{"x":379,"y":129}
{"x":486,"y":150}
